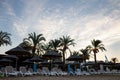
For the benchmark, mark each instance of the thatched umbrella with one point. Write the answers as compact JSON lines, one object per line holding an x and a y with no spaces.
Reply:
{"x":12,"y":57}
{"x":45,"y":63}
{"x":76,"y":58}
{"x":27,"y":61}
{"x":57,"y":61}
{"x":35,"y":59}
{"x":1,"y":55}
{"x":51,"y":55}
{"x":5,"y":61}
{"x":18,"y":51}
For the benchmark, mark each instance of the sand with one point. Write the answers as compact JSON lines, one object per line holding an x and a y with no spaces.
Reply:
{"x":90,"y":77}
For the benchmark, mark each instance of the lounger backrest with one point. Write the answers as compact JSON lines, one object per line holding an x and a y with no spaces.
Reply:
{"x":39,"y":70}
{"x":3,"y":70}
{"x":9,"y":69}
{"x":23,"y":69}
{"x":30,"y":69}
{"x":45,"y":69}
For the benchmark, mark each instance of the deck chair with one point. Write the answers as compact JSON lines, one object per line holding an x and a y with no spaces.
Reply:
{"x":24,"y":72}
{"x":45,"y":71}
{"x":62,"y":73}
{"x":10,"y":71}
{"x":78,"y":72}
{"x":54,"y":71}
{"x":31,"y":71}
{"x":92,"y":71}
{"x":40,"y":72}
{"x":2,"y":72}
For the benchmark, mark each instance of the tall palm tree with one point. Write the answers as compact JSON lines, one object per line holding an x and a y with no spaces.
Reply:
{"x":114,"y":60}
{"x":85,"y":54}
{"x":35,"y":40}
{"x":95,"y":47}
{"x":5,"y":38}
{"x":66,"y":41}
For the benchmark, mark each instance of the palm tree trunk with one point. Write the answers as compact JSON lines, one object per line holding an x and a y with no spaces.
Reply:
{"x":33,"y":51}
{"x":63,"y":60}
{"x":96,"y":67}
{"x":85,"y":64}
{"x":95,"y":58}
{"x":95,"y":51}
{"x":63,"y":57}
{"x":85,"y":61}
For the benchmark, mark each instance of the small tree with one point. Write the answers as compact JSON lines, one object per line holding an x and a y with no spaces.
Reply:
{"x":114,"y":60}
{"x":95,"y":47}
{"x":85,"y":54}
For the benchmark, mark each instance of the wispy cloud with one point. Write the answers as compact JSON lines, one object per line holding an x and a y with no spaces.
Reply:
{"x":8,"y":7}
{"x":82,"y":20}
{"x":80,"y":27}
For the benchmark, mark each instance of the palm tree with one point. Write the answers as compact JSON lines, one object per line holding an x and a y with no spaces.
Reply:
{"x":76,"y":53}
{"x":85,"y":54}
{"x":95,"y":47}
{"x":46,"y":47}
{"x":5,"y":38}
{"x":66,"y":41}
{"x":26,"y":45}
{"x":55,"y":44}
{"x":114,"y":60}
{"x":35,"y":40}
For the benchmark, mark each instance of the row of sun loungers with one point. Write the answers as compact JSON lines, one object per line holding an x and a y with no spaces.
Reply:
{"x":10,"y":71}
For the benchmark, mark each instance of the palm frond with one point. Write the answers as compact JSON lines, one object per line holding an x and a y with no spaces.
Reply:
{"x":5,"y":38}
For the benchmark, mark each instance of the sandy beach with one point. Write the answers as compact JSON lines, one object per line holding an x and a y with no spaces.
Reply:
{"x":90,"y":77}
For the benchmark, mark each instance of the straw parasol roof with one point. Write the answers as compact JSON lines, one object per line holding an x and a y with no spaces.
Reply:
{"x":57,"y":61}
{"x":11,"y":56}
{"x":75,"y":58}
{"x":28,"y":61}
{"x":36,"y":59}
{"x":19,"y":51}
{"x":52,"y":54}
{"x":1,"y":55}
{"x":5,"y":60}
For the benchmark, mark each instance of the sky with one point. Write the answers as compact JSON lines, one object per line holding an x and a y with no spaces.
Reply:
{"x":83,"y":20}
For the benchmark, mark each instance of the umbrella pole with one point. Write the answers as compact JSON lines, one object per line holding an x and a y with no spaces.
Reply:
{"x":16,"y":64}
{"x":9,"y":63}
{"x":50,"y":64}
{"x":75,"y":67}
{"x":80,"y":66}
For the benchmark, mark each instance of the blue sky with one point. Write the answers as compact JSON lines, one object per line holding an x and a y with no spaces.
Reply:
{"x":83,"y":20}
